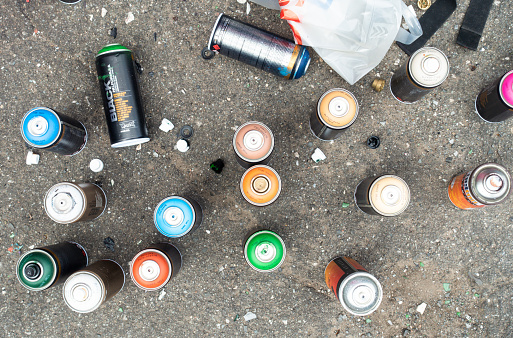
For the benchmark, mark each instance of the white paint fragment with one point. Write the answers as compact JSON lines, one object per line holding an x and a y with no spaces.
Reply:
{"x":166,"y":125}
{"x":249,"y":316}
{"x":162,"y":294}
{"x":318,"y":155}
{"x":241,"y":1}
{"x":248,"y":8}
{"x":421,"y":308}
{"x":32,"y":158}
{"x":129,"y":18}
{"x":90,"y":17}
{"x":104,"y":12}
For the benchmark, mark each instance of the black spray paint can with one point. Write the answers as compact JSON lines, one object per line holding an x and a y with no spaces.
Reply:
{"x":44,"y":128}
{"x":121,"y":97}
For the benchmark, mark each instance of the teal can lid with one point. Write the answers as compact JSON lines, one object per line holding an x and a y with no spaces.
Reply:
{"x":36,"y":270}
{"x":265,"y":251}
{"x":114,"y":47}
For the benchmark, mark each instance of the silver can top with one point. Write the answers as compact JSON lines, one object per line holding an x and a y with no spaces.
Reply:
{"x":361,"y":293}
{"x":490,"y":183}
{"x":65,"y":202}
{"x":429,"y":67}
{"x":84,"y":291}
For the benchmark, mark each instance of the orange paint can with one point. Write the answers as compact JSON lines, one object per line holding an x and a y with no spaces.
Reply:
{"x":260,"y":185}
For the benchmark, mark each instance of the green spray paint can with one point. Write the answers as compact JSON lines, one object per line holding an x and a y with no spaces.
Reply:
{"x":264,"y":251}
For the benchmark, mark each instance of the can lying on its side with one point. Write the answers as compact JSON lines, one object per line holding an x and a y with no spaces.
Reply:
{"x":260,"y":185}
{"x":41,"y":268}
{"x":488,"y":184}
{"x":258,"y":48}
{"x":152,"y":268}
{"x":359,"y":292}
{"x":386,"y":195}
{"x":425,"y":70}
{"x":44,"y":128}
{"x":495,"y":102}
{"x":176,"y":216}
{"x":68,"y":202}
{"x":253,"y":143}
{"x":121,"y":96}
{"x":337,"y":110}
{"x":87,"y":289}
{"x":264,"y":251}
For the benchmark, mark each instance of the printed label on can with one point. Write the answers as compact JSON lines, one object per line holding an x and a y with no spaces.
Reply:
{"x":460,"y":194}
{"x":338,"y":269}
{"x":117,"y":101}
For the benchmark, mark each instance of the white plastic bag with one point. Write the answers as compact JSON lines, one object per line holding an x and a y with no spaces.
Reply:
{"x":352,"y":36}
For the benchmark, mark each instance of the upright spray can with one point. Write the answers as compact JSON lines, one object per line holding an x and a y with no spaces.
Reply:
{"x":337,"y":110}
{"x":68,"y":202}
{"x":264,"y":251}
{"x":258,"y":48}
{"x":41,"y":268}
{"x":87,"y":289}
{"x":425,"y":70}
{"x":488,"y":184}
{"x":176,"y":216}
{"x":44,"y":128}
{"x":386,"y":195}
{"x":253,"y":144}
{"x":260,"y":185}
{"x":121,"y":97}
{"x":359,"y":292}
{"x":495,"y":102}
{"x":152,"y":268}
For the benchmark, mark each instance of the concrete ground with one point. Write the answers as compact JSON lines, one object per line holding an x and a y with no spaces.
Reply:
{"x":47,"y":52}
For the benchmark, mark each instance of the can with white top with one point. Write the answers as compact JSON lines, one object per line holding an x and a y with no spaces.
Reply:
{"x":253,"y":144}
{"x":337,"y":110}
{"x":69,"y":202}
{"x":386,"y":195}
{"x":176,"y":216}
{"x":425,"y":70}
{"x":359,"y":292}
{"x":44,"y":128}
{"x":87,"y":289}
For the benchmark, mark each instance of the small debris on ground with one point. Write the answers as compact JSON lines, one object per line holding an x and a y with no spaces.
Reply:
{"x":421,"y":308}
{"x":249,"y":316}
{"x":109,"y":244}
{"x":104,"y":12}
{"x":217,"y":166}
{"x":32,"y":158}
{"x":474,"y":278}
{"x":162,"y":294}
{"x":166,"y":125}
{"x":129,"y":18}
{"x":138,"y":67}
{"x":113,"y":32}
{"x":182,"y":146}
{"x":318,"y":155}
{"x":447,"y":287}
{"x":96,"y":165}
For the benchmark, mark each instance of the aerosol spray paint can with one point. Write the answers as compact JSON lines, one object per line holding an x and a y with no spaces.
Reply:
{"x":264,"y":251}
{"x":68,"y":202}
{"x":358,"y":291}
{"x":253,"y":144}
{"x":44,"y":128}
{"x":495,"y":102}
{"x":337,"y":110}
{"x":487,"y":184}
{"x":425,"y":70}
{"x":41,"y":268}
{"x":87,"y":289}
{"x":258,"y":48}
{"x":176,"y":216}
{"x":385,"y":195}
{"x":121,"y":97}
{"x":260,"y":185}
{"x":152,"y":268}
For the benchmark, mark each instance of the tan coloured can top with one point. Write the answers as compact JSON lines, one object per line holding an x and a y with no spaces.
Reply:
{"x":253,"y":141}
{"x":429,"y":67}
{"x":337,"y":108}
{"x":389,"y":195}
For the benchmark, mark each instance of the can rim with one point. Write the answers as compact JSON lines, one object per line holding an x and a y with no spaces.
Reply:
{"x":423,"y":50}
{"x":209,"y":46}
{"x":374,"y":207}
{"x":473,"y":177}
{"x":357,"y":108}
{"x":171,"y":270}
{"x":242,"y":187}
{"x":261,"y":158}
{"x":188,"y":203}
{"x":105,"y":49}
{"x":353,"y":276}
{"x":130,"y":142}
{"x":82,"y":194}
{"x":83,"y":249}
{"x":269,"y":232}
{"x":56,"y":137}
{"x":54,"y":275}
{"x":500,"y":89}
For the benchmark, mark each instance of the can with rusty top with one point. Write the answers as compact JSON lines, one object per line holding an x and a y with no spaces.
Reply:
{"x":359,"y":292}
{"x":68,"y":202}
{"x":44,"y":128}
{"x":152,"y":268}
{"x":258,"y":48}
{"x":253,"y":144}
{"x":264,"y":251}
{"x":386,"y":195}
{"x":337,"y":110}
{"x":176,"y":216}
{"x":260,"y":185}
{"x":425,"y":70}
{"x":495,"y":102}
{"x":87,"y":289}
{"x":488,"y":184}
{"x":41,"y":268}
